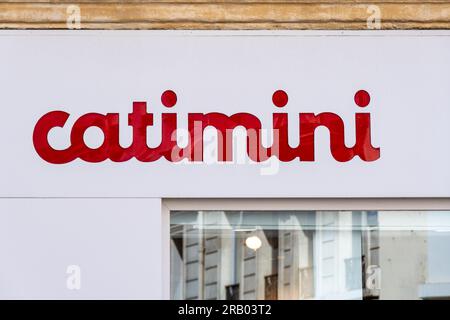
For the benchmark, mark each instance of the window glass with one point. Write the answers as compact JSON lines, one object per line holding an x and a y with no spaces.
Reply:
{"x":310,"y":254}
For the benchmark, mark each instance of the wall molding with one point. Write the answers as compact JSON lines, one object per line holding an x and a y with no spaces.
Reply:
{"x":247,"y":14}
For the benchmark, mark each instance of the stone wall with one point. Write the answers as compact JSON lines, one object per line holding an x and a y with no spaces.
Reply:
{"x":225,"y":14}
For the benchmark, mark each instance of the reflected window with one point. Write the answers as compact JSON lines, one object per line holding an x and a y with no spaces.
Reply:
{"x":240,"y":255}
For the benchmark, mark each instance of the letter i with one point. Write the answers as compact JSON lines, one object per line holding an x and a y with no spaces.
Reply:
{"x":168,"y":147}
{"x":363,"y":146}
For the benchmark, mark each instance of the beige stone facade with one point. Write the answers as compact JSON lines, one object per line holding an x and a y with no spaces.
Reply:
{"x":226,"y":14}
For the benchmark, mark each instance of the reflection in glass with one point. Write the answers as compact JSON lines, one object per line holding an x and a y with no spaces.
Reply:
{"x":310,"y":255}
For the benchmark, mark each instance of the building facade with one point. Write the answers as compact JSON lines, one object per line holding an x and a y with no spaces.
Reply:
{"x":84,"y":217}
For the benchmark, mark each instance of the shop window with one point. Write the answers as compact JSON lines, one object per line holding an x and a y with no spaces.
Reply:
{"x":273,"y":255}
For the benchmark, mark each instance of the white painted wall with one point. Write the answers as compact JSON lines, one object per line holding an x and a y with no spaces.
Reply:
{"x":116,"y":242}
{"x":407,"y":75}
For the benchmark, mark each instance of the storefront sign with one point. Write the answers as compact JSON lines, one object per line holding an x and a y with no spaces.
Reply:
{"x":214,"y":114}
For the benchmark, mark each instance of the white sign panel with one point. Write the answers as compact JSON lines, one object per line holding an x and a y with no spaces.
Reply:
{"x":224,"y":114}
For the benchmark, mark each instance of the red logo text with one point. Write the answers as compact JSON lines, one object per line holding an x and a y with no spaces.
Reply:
{"x":140,"y":119}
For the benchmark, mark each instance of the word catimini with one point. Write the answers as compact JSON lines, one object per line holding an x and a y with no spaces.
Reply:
{"x":140,"y":120}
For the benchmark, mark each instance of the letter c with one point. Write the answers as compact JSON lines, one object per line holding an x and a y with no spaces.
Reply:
{"x":40,"y":138}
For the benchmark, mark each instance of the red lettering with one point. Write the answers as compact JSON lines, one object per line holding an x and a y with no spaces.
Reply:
{"x":47,"y":122}
{"x":140,"y":120}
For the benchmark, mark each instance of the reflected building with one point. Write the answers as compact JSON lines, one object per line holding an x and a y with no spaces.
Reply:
{"x":237,"y":255}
